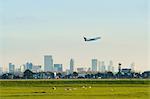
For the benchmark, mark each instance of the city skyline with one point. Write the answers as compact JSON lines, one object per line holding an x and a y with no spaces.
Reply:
{"x":49,"y":65}
{"x":32,"y":29}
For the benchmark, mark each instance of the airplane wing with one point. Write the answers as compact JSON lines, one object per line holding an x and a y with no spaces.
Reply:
{"x":98,"y":38}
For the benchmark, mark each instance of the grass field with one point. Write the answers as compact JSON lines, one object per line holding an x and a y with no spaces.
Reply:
{"x":74,"y":89}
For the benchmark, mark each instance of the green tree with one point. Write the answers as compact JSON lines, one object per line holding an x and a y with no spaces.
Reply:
{"x":75,"y":74}
{"x":28,"y":74}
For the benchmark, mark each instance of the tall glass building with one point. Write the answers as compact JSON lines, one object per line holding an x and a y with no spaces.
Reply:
{"x":71,"y":65}
{"x":48,"y":63}
{"x":11,"y":68}
{"x":103,"y":67}
{"x":28,"y":65}
{"x":94,"y":65}
{"x":110,"y":66}
{"x":58,"y":68}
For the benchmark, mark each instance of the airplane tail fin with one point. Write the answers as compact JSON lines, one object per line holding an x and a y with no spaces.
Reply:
{"x":85,"y":38}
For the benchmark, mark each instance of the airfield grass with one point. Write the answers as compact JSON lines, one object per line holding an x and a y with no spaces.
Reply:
{"x":75,"y":89}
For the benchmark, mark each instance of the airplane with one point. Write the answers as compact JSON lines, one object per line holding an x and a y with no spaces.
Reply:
{"x":91,"y":39}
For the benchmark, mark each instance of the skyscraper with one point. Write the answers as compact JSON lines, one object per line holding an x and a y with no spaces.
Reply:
{"x":110,"y":66}
{"x":99,"y":66}
{"x":94,"y":65}
{"x":1,"y":70}
{"x":28,"y":65}
{"x":103,"y":67}
{"x":11,"y":68}
{"x":58,"y":67}
{"x":22,"y":68}
{"x":71,"y":65}
{"x":48,"y":63}
{"x":36,"y":68}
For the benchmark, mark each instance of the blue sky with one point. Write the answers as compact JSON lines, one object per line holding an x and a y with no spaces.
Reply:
{"x":33,"y":28}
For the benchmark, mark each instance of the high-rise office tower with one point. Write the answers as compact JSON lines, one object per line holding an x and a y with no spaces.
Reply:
{"x":11,"y":68}
{"x":71,"y":65}
{"x":36,"y":68}
{"x":22,"y":68}
{"x":94,"y":65}
{"x":28,"y":65}
{"x":110,"y":67}
{"x":1,"y":70}
{"x":58,"y":67}
{"x":103,"y":67}
{"x":99,"y":66}
{"x":48,"y":63}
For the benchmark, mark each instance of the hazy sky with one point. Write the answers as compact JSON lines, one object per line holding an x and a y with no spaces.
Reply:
{"x":30,"y":29}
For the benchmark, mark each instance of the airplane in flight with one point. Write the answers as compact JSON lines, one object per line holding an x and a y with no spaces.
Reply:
{"x":91,"y":39}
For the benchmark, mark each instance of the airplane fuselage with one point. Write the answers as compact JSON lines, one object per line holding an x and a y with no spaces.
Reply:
{"x":91,"y":39}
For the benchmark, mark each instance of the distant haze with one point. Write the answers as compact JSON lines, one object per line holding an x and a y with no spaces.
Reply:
{"x":30,"y":29}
